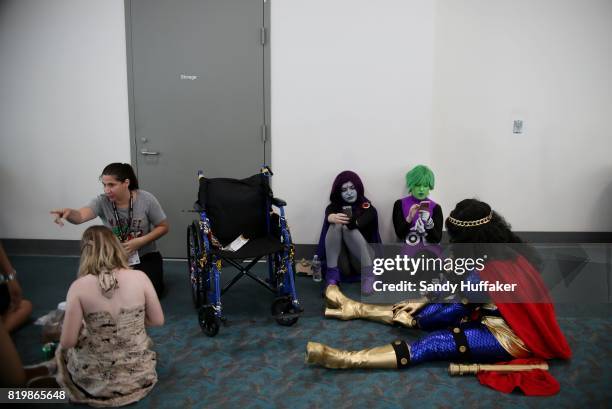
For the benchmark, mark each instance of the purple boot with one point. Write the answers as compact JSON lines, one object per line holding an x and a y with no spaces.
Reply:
{"x":367,"y":281}
{"x":332,"y":276}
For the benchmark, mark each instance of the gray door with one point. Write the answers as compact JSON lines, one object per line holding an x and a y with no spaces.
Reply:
{"x":197,"y":98}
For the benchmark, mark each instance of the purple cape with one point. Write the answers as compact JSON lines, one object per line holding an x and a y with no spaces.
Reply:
{"x":370,"y":232}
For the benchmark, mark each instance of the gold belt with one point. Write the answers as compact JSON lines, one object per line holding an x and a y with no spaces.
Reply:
{"x":506,"y":337}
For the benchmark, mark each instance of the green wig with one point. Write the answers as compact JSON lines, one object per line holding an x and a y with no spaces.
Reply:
{"x":420,"y":175}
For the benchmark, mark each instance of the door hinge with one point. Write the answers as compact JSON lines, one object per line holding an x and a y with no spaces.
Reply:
{"x":264,"y":133}
{"x":263,"y":35}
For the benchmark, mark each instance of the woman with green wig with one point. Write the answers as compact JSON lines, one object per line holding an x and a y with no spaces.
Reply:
{"x":416,"y":218}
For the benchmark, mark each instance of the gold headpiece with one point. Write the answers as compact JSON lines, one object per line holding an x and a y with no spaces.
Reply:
{"x":470,"y":223}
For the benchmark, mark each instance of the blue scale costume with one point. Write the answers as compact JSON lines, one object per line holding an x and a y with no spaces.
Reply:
{"x":445,"y":344}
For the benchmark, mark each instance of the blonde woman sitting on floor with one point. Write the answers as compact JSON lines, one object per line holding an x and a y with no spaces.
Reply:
{"x":105,"y":356}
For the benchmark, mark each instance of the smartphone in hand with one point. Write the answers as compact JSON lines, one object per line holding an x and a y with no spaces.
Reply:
{"x":424,"y":205}
{"x":347,"y":210}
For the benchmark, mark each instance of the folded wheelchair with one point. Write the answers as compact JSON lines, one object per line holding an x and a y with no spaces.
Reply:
{"x":229,"y":208}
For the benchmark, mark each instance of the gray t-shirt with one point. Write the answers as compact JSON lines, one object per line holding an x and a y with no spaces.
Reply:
{"x":147,"y":214}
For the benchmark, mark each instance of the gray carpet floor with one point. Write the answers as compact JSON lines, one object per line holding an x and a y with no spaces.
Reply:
{"x":253,"y":362}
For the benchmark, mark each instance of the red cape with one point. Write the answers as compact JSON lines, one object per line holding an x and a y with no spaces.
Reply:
{"x":530,"y":313}
{"x":536,"y":382}
{"x":528,"y":310}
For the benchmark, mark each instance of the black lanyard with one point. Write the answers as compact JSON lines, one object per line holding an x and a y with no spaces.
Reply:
{"x":123,"y":234}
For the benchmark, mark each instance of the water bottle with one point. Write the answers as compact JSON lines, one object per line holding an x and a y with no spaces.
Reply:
{"x":316,"y":269}
{"x":48,"y":350}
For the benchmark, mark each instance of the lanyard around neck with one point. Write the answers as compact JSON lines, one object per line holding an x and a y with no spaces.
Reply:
{"x":123,"y":233}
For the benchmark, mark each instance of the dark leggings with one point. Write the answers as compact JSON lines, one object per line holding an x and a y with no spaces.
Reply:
{"x":152,"y":265}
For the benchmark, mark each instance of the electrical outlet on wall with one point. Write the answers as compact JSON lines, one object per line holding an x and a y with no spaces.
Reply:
{"x":517,"y":126}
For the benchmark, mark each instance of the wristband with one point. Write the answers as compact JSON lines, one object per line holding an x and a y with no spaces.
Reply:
{"x":9,"y":277}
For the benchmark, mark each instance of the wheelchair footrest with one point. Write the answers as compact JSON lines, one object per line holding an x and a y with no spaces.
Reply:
{"x":288,"y":315}
{"x":285,"y":312}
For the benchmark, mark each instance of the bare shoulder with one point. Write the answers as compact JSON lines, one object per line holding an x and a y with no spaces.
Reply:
{"x":83,"y":282}
{"x":82,"y":285}
{"x":129,"y":274}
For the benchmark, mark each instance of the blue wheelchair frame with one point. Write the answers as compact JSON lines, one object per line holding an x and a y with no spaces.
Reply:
{"x":205,"y":272}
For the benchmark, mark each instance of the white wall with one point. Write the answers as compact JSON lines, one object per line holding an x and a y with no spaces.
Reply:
{"x":548,"y":62}
{"x":355,"y":85}
{"x":63,"y":110}
{"x":351,"y":89}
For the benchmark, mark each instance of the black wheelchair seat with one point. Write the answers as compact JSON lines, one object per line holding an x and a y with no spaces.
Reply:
{"x":230,"y":208}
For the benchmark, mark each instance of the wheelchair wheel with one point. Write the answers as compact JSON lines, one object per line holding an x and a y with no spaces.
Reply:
{"x":209,"y":323}
{"x":284,"y":311}
{"x":193,"y":252}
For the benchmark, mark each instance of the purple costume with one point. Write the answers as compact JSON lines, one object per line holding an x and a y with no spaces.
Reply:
{"x":364,"y":219}
{"x":413,"y":237}
{"x":418,"y":242}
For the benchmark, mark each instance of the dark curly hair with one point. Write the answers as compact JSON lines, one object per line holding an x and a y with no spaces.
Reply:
{"x":498,"y":230}
{"x":495,"y":231}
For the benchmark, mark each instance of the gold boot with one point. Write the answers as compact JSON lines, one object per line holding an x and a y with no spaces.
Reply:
{"x":334,"y":298}
{"x":343,"y":308}
{"x":379,"y":357}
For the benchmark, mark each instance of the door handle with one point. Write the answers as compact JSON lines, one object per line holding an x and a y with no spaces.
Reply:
{"x":146,"y":152}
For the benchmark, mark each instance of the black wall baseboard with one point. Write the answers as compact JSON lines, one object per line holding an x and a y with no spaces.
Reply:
{"x":35,"y":247}
{"x":71,"y":247}
{"x":565,"y":237}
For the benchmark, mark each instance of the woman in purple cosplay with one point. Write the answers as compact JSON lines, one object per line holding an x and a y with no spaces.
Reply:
{"x":416,"y":218}
{"x":351,"y":222}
